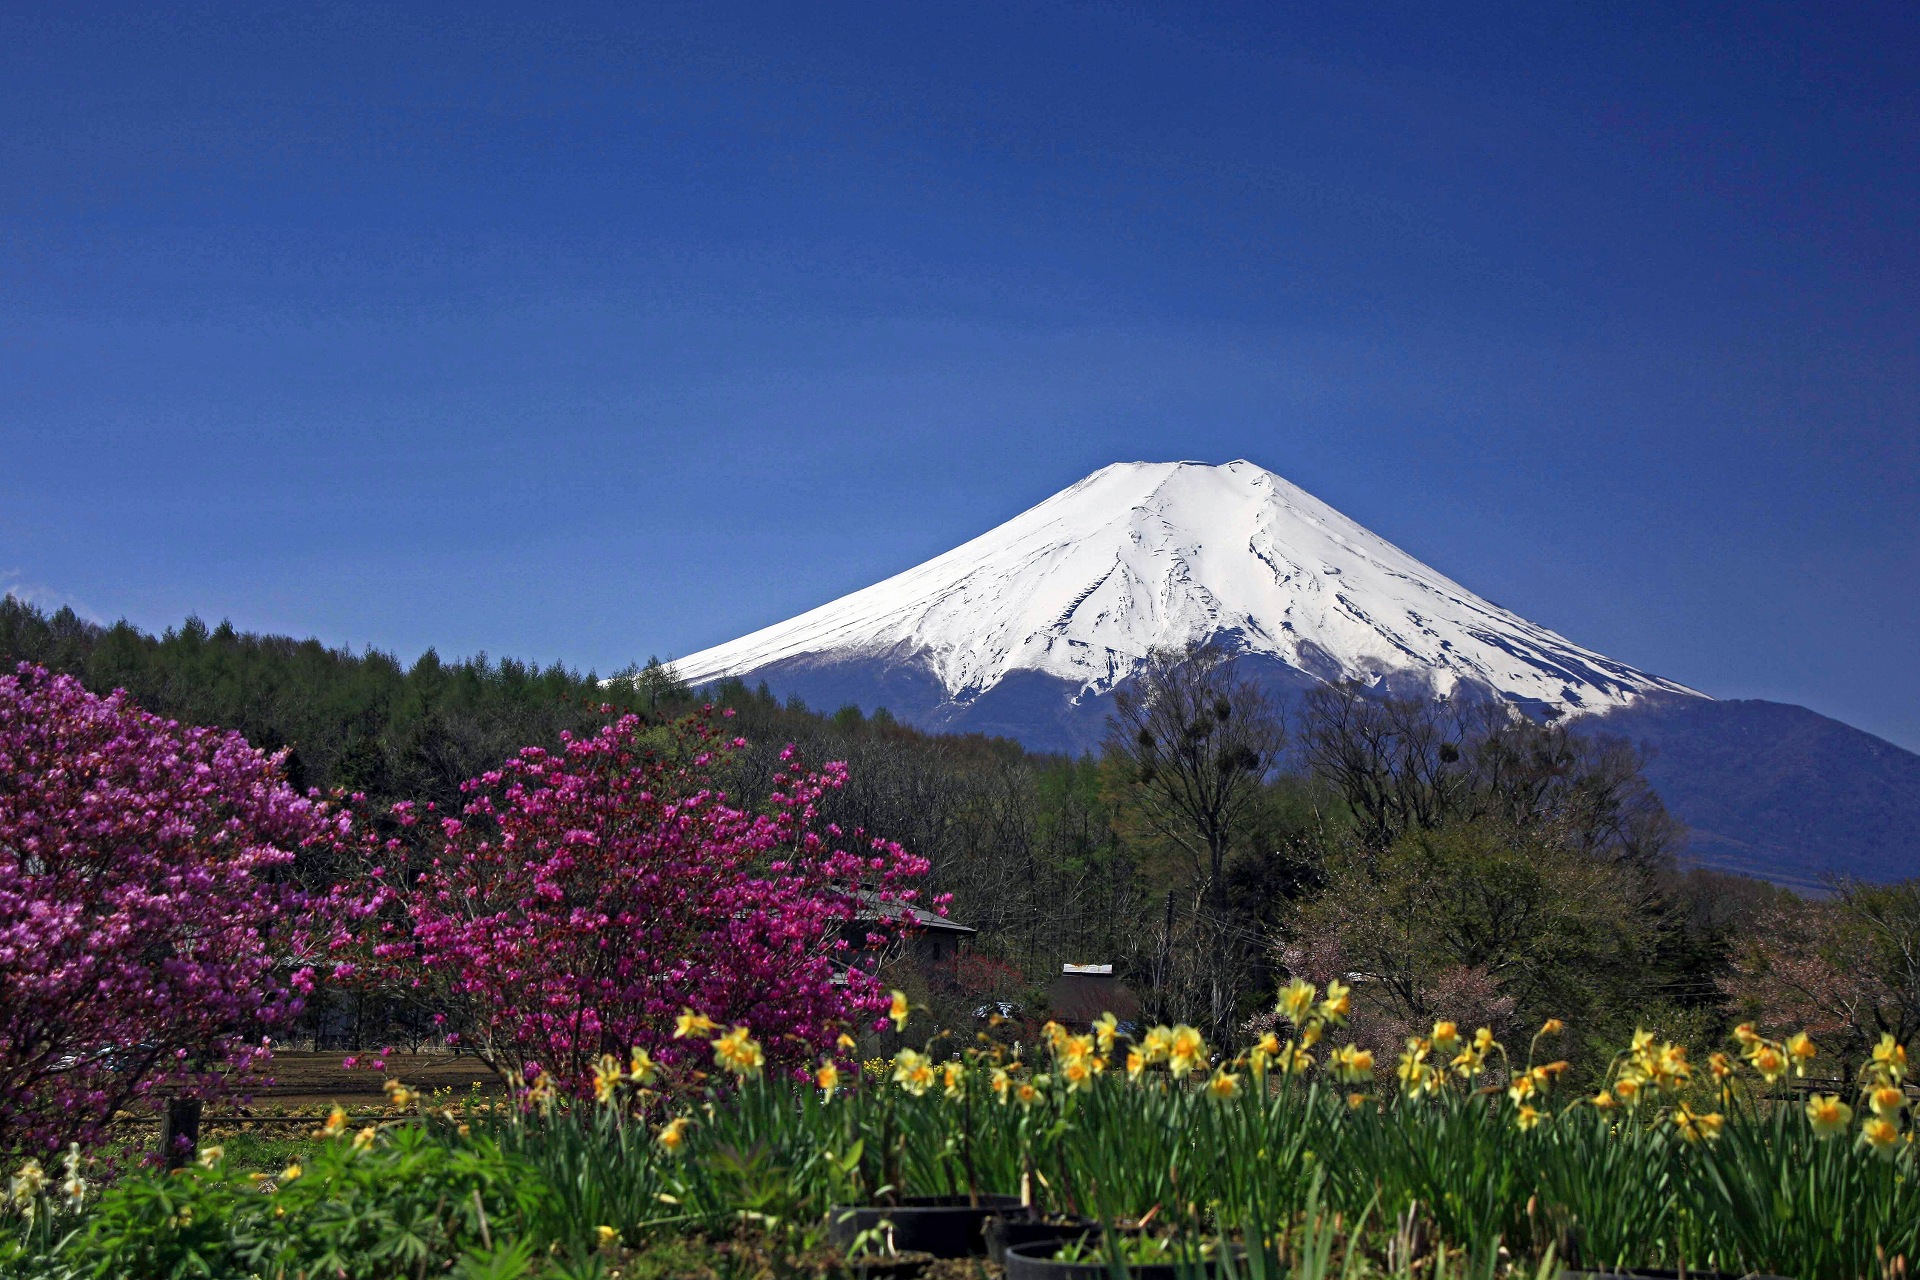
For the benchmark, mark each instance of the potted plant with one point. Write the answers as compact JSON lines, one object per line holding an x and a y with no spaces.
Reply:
{"x":1014,"y":1228}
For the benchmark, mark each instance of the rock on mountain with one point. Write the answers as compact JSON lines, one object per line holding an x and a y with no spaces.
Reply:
{"x":1027,"y":630}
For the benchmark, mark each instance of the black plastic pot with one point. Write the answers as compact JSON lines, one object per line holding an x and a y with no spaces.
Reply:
{"x":1011,"y":1230}
{"x":944,"y":1226}
{"x":1035,"y":1262}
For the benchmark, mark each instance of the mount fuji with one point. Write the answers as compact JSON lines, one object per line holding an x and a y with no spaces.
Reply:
{"x":1142,"y":555}
{"x":1027,"y":630}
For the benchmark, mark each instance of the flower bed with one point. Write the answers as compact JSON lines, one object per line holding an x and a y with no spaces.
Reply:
{"x":1290,"y":1154}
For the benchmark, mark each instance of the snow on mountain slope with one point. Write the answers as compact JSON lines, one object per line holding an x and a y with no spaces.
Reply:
{"x":1144,"y":555}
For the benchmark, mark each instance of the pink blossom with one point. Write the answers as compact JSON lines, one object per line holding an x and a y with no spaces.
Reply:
{"x":587,"y":895}
{"x":145,"y":890}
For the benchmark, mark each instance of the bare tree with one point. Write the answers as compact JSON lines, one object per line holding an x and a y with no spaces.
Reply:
{"x":1410,"y":765}
{"x":1201,"y":741}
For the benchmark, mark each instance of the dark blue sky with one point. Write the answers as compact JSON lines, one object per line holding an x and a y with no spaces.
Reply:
{"x":576,"y":334}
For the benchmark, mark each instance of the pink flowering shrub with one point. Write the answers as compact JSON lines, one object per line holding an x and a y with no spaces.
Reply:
{"x":144,"y":889}
{"x":585,"y":896}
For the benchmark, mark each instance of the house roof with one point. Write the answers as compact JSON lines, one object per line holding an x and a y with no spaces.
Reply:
{"x":874,"y":908}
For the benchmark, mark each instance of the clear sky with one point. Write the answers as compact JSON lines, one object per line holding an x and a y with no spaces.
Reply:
{"x":585,"y":334}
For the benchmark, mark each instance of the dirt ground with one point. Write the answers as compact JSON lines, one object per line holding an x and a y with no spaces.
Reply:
{"x":306,"y":1083}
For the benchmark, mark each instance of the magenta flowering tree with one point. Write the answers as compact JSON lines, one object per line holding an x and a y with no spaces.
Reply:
{"x":585,"y":896}
{"x":145,"y":892}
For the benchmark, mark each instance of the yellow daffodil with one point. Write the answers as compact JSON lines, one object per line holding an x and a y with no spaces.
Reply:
{"x":845,"y":1043}
{"x":953,"y":1080}
{"x":1880,"y":1136}
{"x":1353,"y":1064}
{"x":336,"y":1124}
{"x":1769,"y":1061}
{"x":1446,"y":1038}
{"x":1000,"y":1082}
{"x":739,"y":1053}
{"x":827,"y":1077}
{"x":1185,"y":1051}
{"x":1414,"y":1070}
{"x":1627,"y":1090}
{"x":26,"y":1183}
{"x":641,"y":1068}
{"x":1295,"y":1060}
{"x":1472,"y":1058}
{"x":1696,"y":1126}
{"x":1355,"y":1101}
{"x":607,"y":1077}
{"x":1136,"y":1064}
{"x":1310,"y":1032}
{"x":211,"y":1156}
{"x":1605,"y":1101}
{"x":1105,"y":1028}
{"x":1338,"y":1003}
{"x":400,"y":1096}
{"x":1526,"y":1118}
{"x":898,"y":1009}
{"x":1552,"y":1027}
{"x":690,"y":1025}
{"x":673,"y":1135}
{"x":1028,"y":1091}
{"x":363,"y":1140}
{"x":913,"y":1071}
{"x":1828,"y":1115}
{"x":1887,"y":1100}
{"x":289,"y":1173}
{"x":1157,"y":1044}
{"x":1297,"y":1001}
{"x":1720,"y":1065}
{"x":1670,"y":1066}
{"x":606,"y":1236}
{"x":1890,"y":1057}
{"x":1801,"y":1049}
{"x":1223,"y":1086}
{"x":1078,"y":1074}
{"x":1745,"y":1034}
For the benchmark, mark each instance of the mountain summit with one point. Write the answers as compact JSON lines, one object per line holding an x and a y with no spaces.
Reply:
{"x":1145,"y":555}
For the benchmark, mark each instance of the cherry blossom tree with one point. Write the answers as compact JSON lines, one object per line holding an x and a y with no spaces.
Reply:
{"x":145,"y":900}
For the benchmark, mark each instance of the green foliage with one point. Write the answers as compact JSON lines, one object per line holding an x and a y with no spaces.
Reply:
{"x":408,"y":1201}
{"x":363,"y":722}
{"x":1557,"y":926}
{"x":1772,"y":1196}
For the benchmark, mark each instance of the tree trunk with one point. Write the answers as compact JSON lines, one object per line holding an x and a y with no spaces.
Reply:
{"x":180,"y":1132}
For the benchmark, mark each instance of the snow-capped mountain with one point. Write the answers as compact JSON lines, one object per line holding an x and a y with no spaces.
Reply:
{"x":1145,"y":555}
